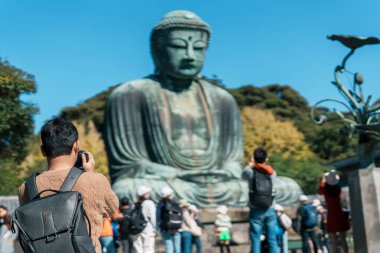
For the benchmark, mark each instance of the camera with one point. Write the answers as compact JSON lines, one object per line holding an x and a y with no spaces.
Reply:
{"x":79,"y":161}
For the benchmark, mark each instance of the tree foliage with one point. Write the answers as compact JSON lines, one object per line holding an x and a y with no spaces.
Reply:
{"x":261,"y":128}
{"x":306,"y":172}
{"x":90,"y":110}
{"x":287,"y":104}
{"x":16,"y":122}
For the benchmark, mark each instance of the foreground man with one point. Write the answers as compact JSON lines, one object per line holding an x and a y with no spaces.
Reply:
{"x":60,"y":147}
{"x":173,"y":128}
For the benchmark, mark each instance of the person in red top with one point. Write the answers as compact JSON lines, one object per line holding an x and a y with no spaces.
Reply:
{"x":337,"y":221}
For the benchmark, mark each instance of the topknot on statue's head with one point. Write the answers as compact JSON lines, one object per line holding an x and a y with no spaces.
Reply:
{"x":181,"y":19}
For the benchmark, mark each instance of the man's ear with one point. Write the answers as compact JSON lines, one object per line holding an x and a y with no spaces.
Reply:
{"x":76,"y":147}
{"x":43,"y":150}
{"x":266,"y":159}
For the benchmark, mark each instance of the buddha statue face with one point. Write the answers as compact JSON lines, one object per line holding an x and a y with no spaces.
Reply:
{"x":180,"y":53}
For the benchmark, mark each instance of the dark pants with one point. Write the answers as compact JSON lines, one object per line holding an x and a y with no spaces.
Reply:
{"x":198,"y":244}
{"x":306,"y":234}
{"x":224,"y":246}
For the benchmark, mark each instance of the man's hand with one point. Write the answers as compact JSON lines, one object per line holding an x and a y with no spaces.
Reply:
{"x":252,"y":162}
{"x":90,"y":165}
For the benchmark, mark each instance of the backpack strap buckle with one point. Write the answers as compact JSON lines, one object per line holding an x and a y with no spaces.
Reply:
{"x":51,"y":238}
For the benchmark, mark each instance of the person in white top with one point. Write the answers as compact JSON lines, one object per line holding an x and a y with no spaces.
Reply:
{"x":144,"y":241}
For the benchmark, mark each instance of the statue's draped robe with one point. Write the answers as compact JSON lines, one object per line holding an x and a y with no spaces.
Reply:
{"x":141,"y":148}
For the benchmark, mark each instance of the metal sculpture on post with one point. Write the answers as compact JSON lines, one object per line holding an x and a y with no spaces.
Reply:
{"x":362,"y":118}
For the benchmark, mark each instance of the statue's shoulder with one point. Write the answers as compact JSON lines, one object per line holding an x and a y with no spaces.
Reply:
{"x":218,"y":91}
{"x":134,"y":87}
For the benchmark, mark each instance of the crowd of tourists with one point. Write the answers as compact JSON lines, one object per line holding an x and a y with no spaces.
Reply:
{"x":98,"y":215}
{"x":320,"y":225}
{"x":135,"y":226}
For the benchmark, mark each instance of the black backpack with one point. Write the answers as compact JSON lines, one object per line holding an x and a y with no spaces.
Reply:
{"x":171,"y":215}
{"x":309,"y":216}
{"x":54,"y":223}
{"x":125,"y":222}
{"x":138,"y":221}
{"x":261,"y":194}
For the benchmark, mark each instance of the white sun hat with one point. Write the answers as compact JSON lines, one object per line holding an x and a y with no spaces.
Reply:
{"x":142,"y":190}
{"x":166,"y":191}
{"x":222,"y":209}
{"x":194,"y":208}
{"x":316,"y":202}
{"x":303,"y":198}
{"x":278,"y":207}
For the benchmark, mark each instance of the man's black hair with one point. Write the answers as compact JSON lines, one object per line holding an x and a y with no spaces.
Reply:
{"x":124,"y":201}
{"x":58,"y":137}
{"x":260,"y":155}
{"x":3,"y":207}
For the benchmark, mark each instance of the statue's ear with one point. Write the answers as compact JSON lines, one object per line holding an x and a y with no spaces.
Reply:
{"x":43,"y":150}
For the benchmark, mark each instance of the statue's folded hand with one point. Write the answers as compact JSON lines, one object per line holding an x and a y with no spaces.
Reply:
{"x":155,"y":171}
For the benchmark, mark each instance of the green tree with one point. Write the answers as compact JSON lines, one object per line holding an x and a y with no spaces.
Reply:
{"x":16,"y":123}
{"x":306,"y":172}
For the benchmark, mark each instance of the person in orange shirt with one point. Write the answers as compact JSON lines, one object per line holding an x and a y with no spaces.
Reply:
{"x":106,"y":237}
{"x":261,"y":214}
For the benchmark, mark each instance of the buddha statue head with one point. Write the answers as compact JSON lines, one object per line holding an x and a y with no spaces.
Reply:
{"x":178,"y":44}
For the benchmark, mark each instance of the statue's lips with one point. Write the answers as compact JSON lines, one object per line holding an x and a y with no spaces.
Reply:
{"x":205,"y":177}
{"x":188,"y":66}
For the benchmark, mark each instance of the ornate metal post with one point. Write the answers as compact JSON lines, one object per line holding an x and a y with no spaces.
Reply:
{"x":362,"y":118}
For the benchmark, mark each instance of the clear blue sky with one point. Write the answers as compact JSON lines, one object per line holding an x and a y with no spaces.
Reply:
{"x":77,"y":48}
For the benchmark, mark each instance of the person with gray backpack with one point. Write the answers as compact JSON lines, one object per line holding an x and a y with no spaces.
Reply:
{"x":62,"y":209}
{"x":261,"y":195}
{"x":169,"y":220}
{"x":308,"y":221}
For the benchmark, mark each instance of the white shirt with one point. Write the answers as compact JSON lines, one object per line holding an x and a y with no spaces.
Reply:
{"x":149,"y":211}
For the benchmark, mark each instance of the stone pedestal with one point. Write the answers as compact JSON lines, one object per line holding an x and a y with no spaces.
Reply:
{"x":365,"y":206}
{"x":240,"y":228}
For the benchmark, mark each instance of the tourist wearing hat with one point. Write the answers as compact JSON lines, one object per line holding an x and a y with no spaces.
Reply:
{"x":323,"y":240}
{"x":308,"y":222}
{"x":283,"y":224}
{"x":144,"y":241}
{"x":223,"y":226}
{"x":196,"y":239}
{"x":189,"y":227}
{"x":169,"y":220}
{"x":337,"y":220}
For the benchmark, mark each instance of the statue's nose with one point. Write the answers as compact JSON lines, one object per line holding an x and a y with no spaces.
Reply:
{"x":190,"y":53}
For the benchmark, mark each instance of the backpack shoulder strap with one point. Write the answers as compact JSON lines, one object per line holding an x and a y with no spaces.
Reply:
{"x":31,"y":187}
{"x":71,"y":179}
{"x":254,"y":177}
